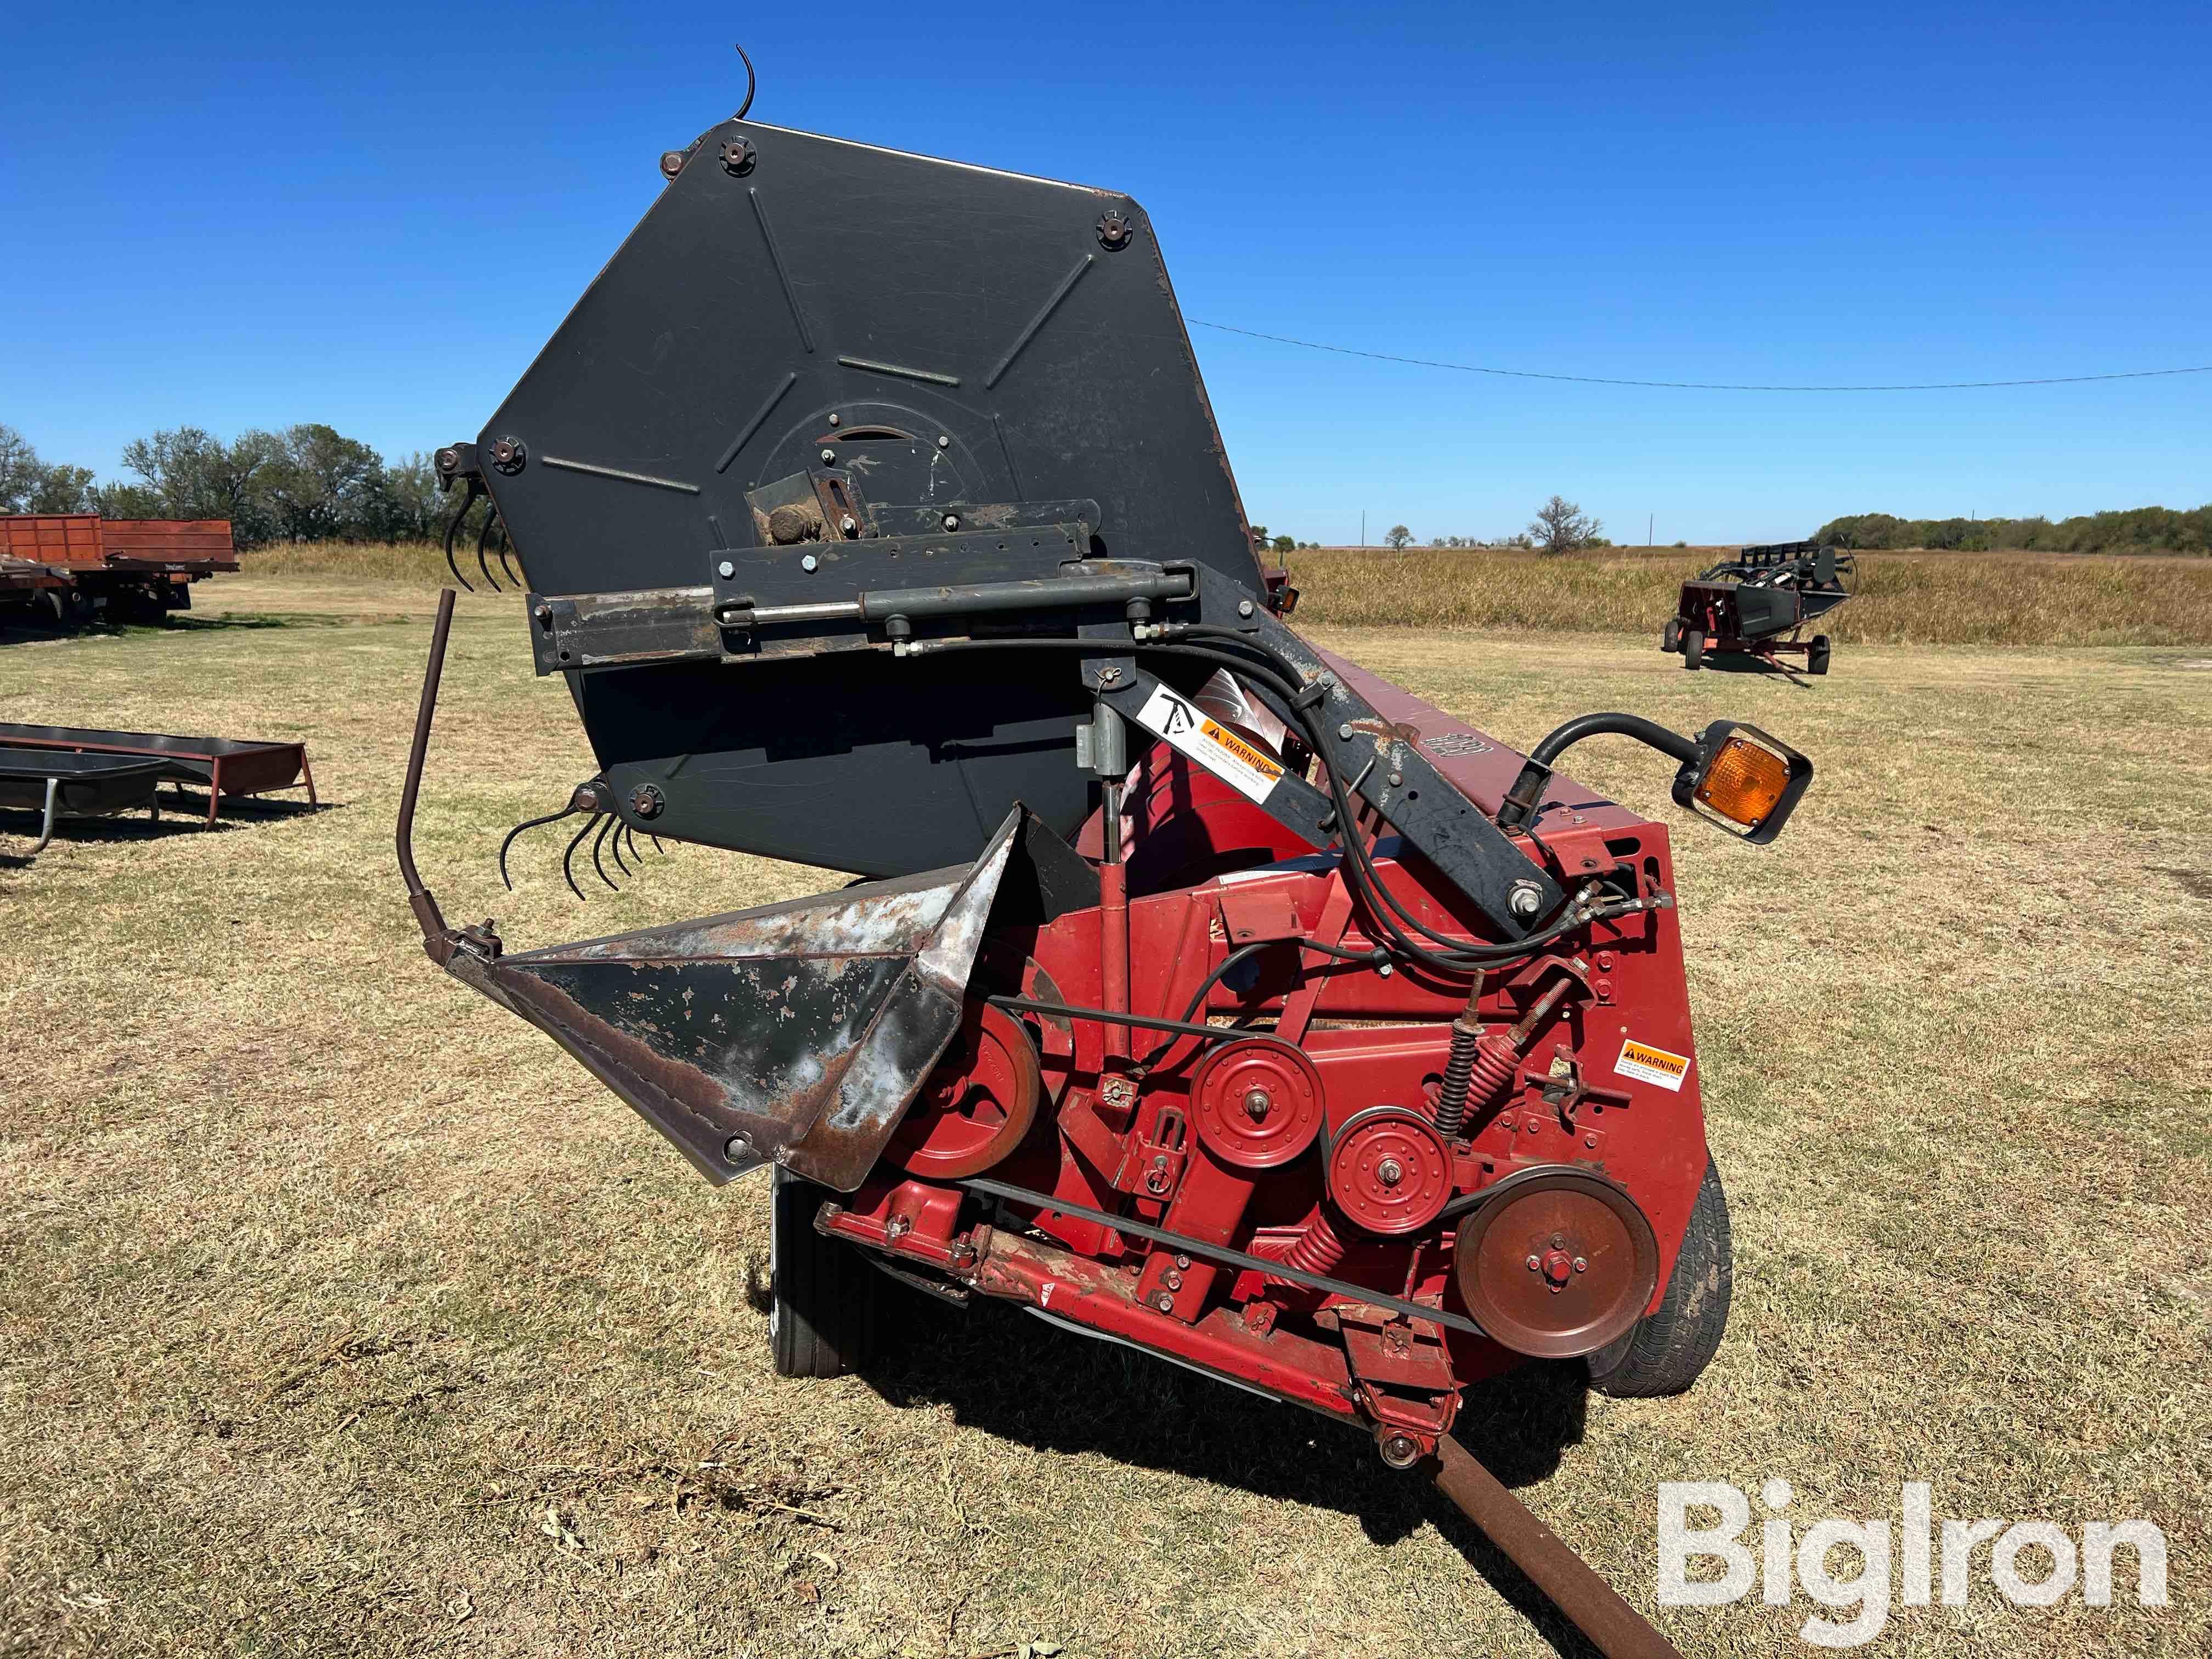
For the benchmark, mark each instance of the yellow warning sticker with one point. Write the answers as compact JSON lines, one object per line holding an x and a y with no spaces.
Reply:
{"x":1649,"y":1065}
{"x":1243,"y":766}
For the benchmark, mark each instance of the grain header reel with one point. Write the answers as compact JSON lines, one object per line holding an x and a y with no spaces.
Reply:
{"x":1201,"y":989}
{"x":1758,"y":605}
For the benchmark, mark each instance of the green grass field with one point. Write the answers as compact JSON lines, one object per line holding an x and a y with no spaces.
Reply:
{"x":341,"y":1313}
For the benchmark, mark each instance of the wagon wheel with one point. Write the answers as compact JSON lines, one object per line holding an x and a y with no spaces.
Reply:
{"x":1670,"y":637}
{"x":1693,"y":647}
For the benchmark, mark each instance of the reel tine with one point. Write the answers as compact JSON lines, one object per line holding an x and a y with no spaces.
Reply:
{"x":655,"y":840}
{"x":636,"y":851}
{"x":607,"y":822}
{"x":452,"y":527}
{"x":614,"y":845}
{"x":507,"y":546}
{"x":575,"y":840}
{"x":527,"y":824}
{"x":483,"y":539}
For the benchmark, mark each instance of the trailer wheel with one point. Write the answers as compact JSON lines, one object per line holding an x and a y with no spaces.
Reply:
{"x":1816,"y":660}
{"x":1670,"y":637}
{"x":1666,"y":1351}
{"x":1693,"y":647}
{"x":822,"y":1308}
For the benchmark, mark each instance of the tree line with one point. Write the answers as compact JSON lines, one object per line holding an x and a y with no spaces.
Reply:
{"x":308,"y":482}
{"x":2134,"y":530}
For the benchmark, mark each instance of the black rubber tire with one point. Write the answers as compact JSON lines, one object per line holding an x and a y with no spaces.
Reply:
{"x":1666,"y":1351}
{"x":1693,"y":647}
{"x":1670,"y":637}
{"x":822,"y":1312}
{"x":1816,"y":660}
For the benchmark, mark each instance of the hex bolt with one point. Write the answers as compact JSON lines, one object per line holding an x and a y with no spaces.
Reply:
{"x":1244,"y":607}
{"x":943,"y":441}
{"x":1182,"y":1261}
{"x":900,"y":1226}
{"x":1165,"y":1303}
{"x":1172,"y":1280}
{"x":1582,"y":1264}
{"x":1390,"y":1172}
{"x":671,"y":163}
{"x":726,"y":570}
{"x":1256,"y":1102}
{"x":810,"y":563}
{"x":1397,"y":778}
{"x":836,"y":420}
{"x":848,"y":524}
{"x":952,"y":521}
{"x":1345,"y":731}
{"x":829,"y":456}
{"x":1526,"y":899}
{"x":1534,"y":1264}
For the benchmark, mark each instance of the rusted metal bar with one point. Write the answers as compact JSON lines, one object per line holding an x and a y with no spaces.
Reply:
{"x":1594,"y":1606}
{"x":427,"y":916}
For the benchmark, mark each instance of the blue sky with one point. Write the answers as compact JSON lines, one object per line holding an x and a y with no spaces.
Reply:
{"x":235,"y":216}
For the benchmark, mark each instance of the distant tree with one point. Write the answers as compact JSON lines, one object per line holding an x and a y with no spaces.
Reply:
{"x":28,"y":484}
{"x":323,"y":486}
{"x":191,"y":474}
{"x":1561,"y":526}
{"x":1259,"y":535}
{"x":1397,"y":536}
{"x":1285,"y":544}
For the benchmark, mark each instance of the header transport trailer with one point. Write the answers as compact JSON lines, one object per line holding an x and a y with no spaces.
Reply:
{"x":120,"y":568}
{"x":1201,"y":991}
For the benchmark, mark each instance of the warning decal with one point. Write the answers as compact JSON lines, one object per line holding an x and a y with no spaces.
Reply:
{"x":1649,"y":1065}
{"x":1243,"y":767}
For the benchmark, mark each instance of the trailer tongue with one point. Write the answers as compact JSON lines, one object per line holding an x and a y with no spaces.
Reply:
{"x":1204,"y":991}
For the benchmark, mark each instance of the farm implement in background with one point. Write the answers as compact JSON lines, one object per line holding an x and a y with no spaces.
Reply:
{"x":1202,"y":992}
{"x":223,"y":766}
{"x":66,"y":570}
{"x":1759,"y":604}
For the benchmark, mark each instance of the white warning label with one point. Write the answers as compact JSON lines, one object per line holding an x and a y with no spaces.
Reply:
{"x":1242,"y":766}
{"x":1649,"y":1065}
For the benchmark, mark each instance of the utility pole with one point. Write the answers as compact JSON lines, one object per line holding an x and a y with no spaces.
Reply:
{"x":1649,"y":519}
{"x":1363,"y":526}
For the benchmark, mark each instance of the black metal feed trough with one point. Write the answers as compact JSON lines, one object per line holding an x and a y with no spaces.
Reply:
{"x":1759,"y":603}
{"x":59,"y":785}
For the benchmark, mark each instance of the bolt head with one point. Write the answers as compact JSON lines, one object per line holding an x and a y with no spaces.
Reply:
{"x":1536,"y":1264}
{"x":1582,"y":1264}
{"x":646,"y":801}
{"x":1345,"y":731}
{"x":952,"y":521}
{"x":737,"y":1147}
{"x":1244,"y":607}
{"x":508,"y":455}
{"x":1525,"y":902}
{"x":829,"y":456}
{"x":726,"y":570}
{"x":1113,"y":231}
{"x":943,"y":441}
{"x":671,"y":163}
{"x":1172,"y":1280}
{"x":1390,"y":1172}
{"x":1256,"y":1102}
{"x":848,"y":524}
{"x":447,"y":460}
{"x":1165,"y":1303}
{"x":738,"y":157}
{"x":810,"y":563}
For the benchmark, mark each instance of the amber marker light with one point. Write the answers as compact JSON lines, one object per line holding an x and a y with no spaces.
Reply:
{"x":1744,"y":780}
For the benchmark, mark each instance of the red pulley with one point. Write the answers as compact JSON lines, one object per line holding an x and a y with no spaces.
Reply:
{"x":977,"y":1105}
{"x":1556,"y":1262}
{"x":1257,"y":1103}
{"x":1389,"y":1170}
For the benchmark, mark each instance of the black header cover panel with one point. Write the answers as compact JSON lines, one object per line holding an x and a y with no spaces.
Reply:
{"x":925,"y":335}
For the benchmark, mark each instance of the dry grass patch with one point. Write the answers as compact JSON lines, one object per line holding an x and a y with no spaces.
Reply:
{"x":1902,"y":598}
{"x":341,"y":1313}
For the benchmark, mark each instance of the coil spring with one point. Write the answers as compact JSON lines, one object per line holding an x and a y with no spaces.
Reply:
{"x":1479,"y":1067}
{"x":1315,"y":1250}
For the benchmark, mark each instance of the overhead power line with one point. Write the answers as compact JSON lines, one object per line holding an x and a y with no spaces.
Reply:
{"x":1696,"y":385}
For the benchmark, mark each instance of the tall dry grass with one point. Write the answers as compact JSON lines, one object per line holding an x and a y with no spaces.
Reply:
{"x":1903,"y":598}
